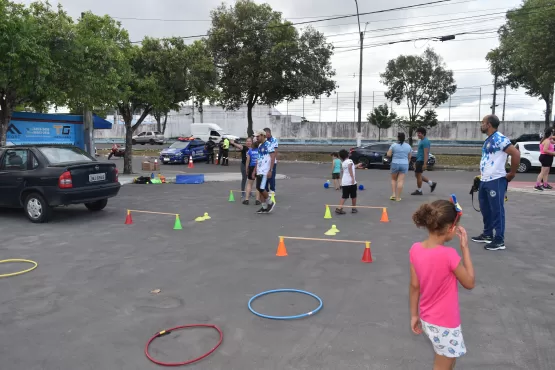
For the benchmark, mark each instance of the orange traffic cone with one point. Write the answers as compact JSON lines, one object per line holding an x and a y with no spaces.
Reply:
{"x":281,"y":250}
{"x":367,"y":255}
{"x":128,"y":219}
{"x":385,"y":218}
{"x":191,"y":162}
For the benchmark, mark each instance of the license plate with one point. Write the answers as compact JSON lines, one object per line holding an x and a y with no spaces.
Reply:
{"x":95,"y":177}
{"x":166,"y":159}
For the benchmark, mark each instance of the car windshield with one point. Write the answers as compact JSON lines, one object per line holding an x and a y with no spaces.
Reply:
{"x":65,"y":155}
{"x":180,"y":145}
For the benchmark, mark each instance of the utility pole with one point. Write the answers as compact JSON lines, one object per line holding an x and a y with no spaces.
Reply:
{"x":504,"y":101}
{"x":337,"y":108}
{"x":449,"y":108}
{"x":494,"y":94}
{"x":480,"y":107}
{"x":359,"y":130}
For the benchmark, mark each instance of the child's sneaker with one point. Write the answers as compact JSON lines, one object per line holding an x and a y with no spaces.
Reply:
{"x":258,"y":203}
{"x":354,"y":210}
{"x":246,"y":202}
{"x":340,"y":211}
{"x":547,"y":186}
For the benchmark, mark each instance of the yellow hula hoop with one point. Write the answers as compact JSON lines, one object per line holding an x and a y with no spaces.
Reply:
{"x":19,"y":272}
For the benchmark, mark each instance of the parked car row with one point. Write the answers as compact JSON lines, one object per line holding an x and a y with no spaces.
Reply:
{"x":375,"y":155}
{"x":529,"y":156}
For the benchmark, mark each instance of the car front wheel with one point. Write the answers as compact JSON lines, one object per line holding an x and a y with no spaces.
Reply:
{"x":36,"y":208}
{"x":364,"y":161}
{"x":524,"y":166}
{"x":99,"y":205}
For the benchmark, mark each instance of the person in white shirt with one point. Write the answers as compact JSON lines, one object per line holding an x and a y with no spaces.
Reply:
{"x":348,"y":182}
{"x":494,"y":182}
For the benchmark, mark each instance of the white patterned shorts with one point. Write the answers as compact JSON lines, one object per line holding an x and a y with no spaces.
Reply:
{"x":447,"y":342}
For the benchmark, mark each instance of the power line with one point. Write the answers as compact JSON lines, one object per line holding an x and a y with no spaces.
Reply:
{"x":326,"y":19}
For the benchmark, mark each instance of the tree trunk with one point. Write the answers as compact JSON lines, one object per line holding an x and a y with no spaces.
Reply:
{"x":250,"y":131}
{"x":411,"y":132}
{"x":158,"y":122}
{"x":379,"y":134}
{"x":165,"y":123}
{"x":548,"y":111}
{"x":548,"y":107}
{"x":128,"y":157}
{"x":5,"y":118}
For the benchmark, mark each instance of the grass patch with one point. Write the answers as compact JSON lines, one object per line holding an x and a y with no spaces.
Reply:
{"x":458,"y":160}
{"x":442,"y":159}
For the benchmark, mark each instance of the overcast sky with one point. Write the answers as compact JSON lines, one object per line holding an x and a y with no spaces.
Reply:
{"x":465,"y":55}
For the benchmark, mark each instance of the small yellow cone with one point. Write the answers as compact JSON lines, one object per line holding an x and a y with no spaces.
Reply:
{"x":206,"y":217}
{"x":199,"y":219}
{"x":328,"y":213}
{"x":273,"y":198}
{"x":332,"y":231}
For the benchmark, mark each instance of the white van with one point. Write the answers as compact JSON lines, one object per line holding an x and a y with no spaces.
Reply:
{"x":210,"y":130}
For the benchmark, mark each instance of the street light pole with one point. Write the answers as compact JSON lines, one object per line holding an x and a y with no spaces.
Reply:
{"x":359,"y":131}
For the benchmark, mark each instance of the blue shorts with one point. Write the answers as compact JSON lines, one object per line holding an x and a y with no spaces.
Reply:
{"x":399,"y":168}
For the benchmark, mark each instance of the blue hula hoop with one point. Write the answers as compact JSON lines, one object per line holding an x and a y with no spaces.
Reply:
{"x":321,"y":304}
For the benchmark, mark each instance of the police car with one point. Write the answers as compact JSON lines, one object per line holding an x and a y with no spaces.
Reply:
{"x":182,"y":150}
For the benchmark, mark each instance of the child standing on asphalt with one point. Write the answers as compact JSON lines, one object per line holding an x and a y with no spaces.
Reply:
{"x":336,"y":170}
{"x":435,"y":272}
{"x":348,"y":182}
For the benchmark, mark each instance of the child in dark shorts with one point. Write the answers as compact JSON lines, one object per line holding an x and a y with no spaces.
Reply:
{"x":348,"y":182}
{"x":336,"y":170}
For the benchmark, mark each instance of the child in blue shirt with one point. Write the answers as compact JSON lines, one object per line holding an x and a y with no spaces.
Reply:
{"x":252,"y":156}
{"x":336,"y":170}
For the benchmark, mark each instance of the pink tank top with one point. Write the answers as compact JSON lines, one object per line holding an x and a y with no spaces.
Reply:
{"x":550,"y":147}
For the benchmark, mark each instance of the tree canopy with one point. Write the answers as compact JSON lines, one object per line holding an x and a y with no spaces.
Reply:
{"x":262,"y":59}
{"x":382,"y":118}
{"x":423,"y":82}
{"x":32,"y":41}
{"x":525,"y":57}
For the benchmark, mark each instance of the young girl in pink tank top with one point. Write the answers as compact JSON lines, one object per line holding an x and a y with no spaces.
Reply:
{"x":436,"y":271}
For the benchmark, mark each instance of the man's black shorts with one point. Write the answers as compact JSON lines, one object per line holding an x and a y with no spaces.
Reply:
{"x":349,"y":191}
{"x":419,"y":167}
{"x":262,"y":183}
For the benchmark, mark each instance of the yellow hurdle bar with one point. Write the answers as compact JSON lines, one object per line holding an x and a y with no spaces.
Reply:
{"x":325,"y":240}
{"x":154,"y":213}
{"x":337,"y":205}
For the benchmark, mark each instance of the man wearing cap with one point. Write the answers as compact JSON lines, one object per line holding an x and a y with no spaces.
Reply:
{"x":263,"y":171}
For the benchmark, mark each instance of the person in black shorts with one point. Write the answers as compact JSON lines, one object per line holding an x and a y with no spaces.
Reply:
{"x":348,"y":182}
{"x":546,"y":160}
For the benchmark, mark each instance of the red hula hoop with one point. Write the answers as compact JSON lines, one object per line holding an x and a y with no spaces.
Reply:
{"x":168,"y":331}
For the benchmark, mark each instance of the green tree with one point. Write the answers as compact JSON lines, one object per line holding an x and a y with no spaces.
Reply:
{"x":31,"y":43}
{"x":95,"y":64}
{"x":162,"y":75}
{"x":525,"y":54}
{"x":382,"y":118}
{"x":421,"y":81}
{"x":262,"y":59}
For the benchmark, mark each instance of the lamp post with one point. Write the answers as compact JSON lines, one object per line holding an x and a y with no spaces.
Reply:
{"x":359,"y":132}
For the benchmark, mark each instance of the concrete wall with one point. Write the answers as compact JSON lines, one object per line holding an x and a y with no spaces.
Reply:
{"x":282,"y":127}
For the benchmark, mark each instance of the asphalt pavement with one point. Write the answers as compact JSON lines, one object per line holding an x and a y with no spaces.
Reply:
{"x":102,"y":288}
{"x":322,"y":148}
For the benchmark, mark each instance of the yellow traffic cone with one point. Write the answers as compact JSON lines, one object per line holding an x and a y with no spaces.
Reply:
{"x":272,"y":198}
{"x":206,"y":217}
{"x":328,"y":213}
